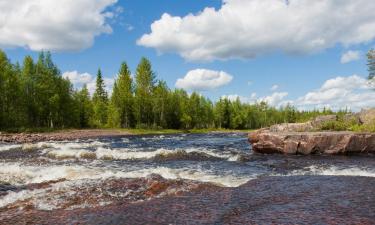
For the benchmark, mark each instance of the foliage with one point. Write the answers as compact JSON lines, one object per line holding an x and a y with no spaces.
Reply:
{"x":371,"y":63}
{"x":35,"y":96}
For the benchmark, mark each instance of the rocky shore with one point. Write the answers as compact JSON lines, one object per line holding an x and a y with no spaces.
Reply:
{"x":59,"y":135}
{"x":266,"y":141}
{"x":307,"y":138}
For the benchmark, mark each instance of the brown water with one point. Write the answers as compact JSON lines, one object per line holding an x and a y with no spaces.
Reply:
{"x":180,"y":179}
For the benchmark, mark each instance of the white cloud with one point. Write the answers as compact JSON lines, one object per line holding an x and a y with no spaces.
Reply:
{"x":234,"y":97}
{"x":274,"y":87}
{"x":245,"y":28}
{"x":62,"y":25}
{"x":79,"y":79}
{"x":351,"y":92}
{"x":350,"y":56}
{"x":275,"y":99}
{"x":202,"y":79}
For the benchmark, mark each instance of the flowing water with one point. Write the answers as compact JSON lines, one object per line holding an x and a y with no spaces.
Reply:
{"x":180,"y":179}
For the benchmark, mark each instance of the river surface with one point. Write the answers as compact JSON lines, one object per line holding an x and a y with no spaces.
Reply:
{"x":180,"y":179}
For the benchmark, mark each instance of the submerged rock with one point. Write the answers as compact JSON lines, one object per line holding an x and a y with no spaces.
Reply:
{"x":266,"y":141}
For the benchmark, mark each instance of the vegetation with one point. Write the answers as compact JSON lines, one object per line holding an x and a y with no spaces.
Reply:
{"x":371,"y":63}
{"x":34,"y":96}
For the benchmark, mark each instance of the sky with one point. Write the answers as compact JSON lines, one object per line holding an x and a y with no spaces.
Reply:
{"x":311,"y":54}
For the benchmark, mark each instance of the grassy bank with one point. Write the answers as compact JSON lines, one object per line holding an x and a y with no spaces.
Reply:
{"x":128,"y":131}
{"x":174,"y":131}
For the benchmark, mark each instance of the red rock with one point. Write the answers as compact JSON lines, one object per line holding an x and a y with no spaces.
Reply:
{"x":265,"y":141}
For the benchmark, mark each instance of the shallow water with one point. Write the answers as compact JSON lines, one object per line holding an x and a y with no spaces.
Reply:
{"x":88,"y":177}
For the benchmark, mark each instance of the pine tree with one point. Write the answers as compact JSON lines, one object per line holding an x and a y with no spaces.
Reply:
{"x":371,"y":63}
{"x":85,"y":107}
{"x":122,"y":97}
{"x":100,"y":93}
{"x":144,"y":87}
{"x":160,"y":98}
{"x":100,"y":102}
{"x":10,"y":94}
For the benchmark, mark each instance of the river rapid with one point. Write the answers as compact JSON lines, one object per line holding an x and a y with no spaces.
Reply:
{"x":180,"y":179}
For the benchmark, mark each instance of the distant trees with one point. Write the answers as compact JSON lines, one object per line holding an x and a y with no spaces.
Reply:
{"x":34,"y":95}
{"x":371,"y":63}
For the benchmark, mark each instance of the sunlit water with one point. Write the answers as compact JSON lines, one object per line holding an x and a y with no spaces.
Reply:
{"x":96,"y":173}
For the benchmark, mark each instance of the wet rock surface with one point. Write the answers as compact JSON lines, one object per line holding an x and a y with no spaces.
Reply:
{"x":268,"y":200}
{"x":58,"y":136}
{"x":266,"y":141}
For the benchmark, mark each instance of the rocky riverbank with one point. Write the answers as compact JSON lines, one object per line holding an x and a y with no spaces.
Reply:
{"x":308,"y":138}
{"x":59,"y":135}
{"x":266,"y":141}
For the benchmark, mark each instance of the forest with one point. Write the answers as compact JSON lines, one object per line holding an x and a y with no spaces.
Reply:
{"x":34,"y":95}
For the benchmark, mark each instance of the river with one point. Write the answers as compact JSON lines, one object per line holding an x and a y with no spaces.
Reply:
{"x":180,"y":179}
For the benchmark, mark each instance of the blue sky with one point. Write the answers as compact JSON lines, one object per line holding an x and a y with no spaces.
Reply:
{"x":257,"y":44}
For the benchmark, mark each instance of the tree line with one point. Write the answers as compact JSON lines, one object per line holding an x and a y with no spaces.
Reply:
{"x":34,"y":95}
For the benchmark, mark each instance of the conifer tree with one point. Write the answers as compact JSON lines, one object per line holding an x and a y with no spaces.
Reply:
{"x":122,"y":99}
{"x":371,"y":63}
{"x":144,"y":87}
{"x":85,"y":108}
{"x":100,"y":102}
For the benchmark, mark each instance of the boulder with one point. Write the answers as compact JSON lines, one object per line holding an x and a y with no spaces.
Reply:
{"x":319,"y":121}
{"x":292,"y":127}
{"x":265,"y":141}
{"x":367,"y":116}
{"x":315,"y":124}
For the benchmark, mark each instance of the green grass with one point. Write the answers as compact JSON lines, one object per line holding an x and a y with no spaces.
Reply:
{"x":175,"y":131}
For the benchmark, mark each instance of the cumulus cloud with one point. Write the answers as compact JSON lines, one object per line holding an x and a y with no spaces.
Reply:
{"x":203,"y":79}
{"x":245,"y":28}
{"x":274,"y":87}
{"x":62,"y":25}
{"x":350,"y":56}
{"x":275,"y":99}
{"x":77,"y":78}
{"x":80,"y":79}
{"x":353,"y":92}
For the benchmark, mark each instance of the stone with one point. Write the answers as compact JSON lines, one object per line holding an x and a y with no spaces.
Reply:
{"x":292,"y":127}
{"x":266,"y":141}
{"x":367,"y":116}
{"x":319,"y":121}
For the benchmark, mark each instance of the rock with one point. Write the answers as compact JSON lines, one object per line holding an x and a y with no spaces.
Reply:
{"x":319,"y":121}
{"x":352,"y":118}
{"x":292,"y":127}
{"x":305,"y":143}
{"x":367,"y":116}
{"x":315,"y":124}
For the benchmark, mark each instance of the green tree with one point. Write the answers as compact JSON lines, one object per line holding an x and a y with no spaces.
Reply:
{"x":84,"y":107}
{"x":144,"y":87}
{"x":160,"y":102}
{"x":371,"y":63}
{"x":100,"y":102}
{"x":122,"y":99}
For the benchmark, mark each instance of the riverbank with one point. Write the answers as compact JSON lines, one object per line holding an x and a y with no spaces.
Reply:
{"x":73,"y":134}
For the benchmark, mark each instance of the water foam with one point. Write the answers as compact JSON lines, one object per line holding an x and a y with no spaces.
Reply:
{"x":17,"y":174}
{"x":136,"y":154}
{"x":9,"y":147}
{"x":334,"y":171}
